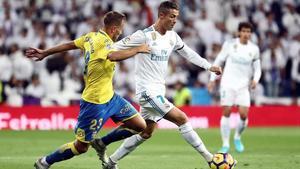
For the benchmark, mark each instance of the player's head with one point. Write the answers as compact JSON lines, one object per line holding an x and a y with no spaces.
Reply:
{"x":114,"y":23}
{"x":245,"y":30}
{"x":168,"y":12}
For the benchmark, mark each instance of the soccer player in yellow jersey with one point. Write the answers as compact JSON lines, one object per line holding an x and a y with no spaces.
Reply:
{"x":99,"y":102}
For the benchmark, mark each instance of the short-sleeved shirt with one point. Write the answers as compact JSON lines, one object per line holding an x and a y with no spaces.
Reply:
{"x":238,"y":60}
{"x":152,"y":68}
{"x":99,"y":71}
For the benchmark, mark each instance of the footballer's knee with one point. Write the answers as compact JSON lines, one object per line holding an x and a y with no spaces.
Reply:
{"x":137,"y":124}
{"x":140,"y":126}
{"x":81,"y":147}
{"x":146,"y":135}
{"x":243,"y":117}
{"x":226,"y":111}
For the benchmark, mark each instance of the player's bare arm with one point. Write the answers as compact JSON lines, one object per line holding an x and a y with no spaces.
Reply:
{"x":127,"y":53}
{"x":39,"y":54}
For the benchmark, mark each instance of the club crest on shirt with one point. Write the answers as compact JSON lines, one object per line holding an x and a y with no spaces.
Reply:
{"x":235,"y":47}
{"x":86,"y":39}
{"x":126,"y":40}
{"x":171,"y":43}
{"x":153,"y":35}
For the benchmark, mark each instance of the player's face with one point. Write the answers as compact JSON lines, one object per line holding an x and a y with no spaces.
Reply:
{"x":169,"y":19}
{"x":118,"y":30}
{"x":245,"y":34}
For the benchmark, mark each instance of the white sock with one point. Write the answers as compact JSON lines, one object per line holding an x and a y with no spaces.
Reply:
{"x":242,"y":124}
{"x":128,"y":146}
{"x":44,"y":161}
{"x":193,"y":139}
{"x":225,"y":130}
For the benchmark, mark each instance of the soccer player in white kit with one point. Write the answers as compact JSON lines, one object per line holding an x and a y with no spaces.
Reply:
{"x":242,"y":71}
{"x":150,"y":74}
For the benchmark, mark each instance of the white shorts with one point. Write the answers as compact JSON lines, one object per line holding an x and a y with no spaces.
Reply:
{"x":153,"y":107}
{"x":231,"y":97}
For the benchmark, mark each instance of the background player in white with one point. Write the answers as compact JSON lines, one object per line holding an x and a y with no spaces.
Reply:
{"x":242,"y":71}
{"x":150,"y":73}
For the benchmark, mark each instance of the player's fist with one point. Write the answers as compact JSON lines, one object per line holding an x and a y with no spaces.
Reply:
{"x":253,"y":84}
{"x":216,"y":69}
{"x":36,"y":54}
{"x":144,"y":48}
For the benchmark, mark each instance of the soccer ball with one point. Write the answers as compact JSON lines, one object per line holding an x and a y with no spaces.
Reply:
{"x":222,"y":161}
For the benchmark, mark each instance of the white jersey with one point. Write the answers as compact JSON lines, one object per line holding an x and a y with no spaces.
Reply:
{"x":240,"y":60}
{"x":151,"y":68}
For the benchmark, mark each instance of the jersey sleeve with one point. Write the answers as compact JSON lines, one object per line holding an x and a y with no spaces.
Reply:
{"x":179,"y":43}
{"x":133,"y":40}
{"x":220,"y":59}
{"x":79,"y":42}
{"x":256,"y":66}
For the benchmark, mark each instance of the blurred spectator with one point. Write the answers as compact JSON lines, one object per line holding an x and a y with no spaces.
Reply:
{"x":14,"y":92}
{"x":34,"y":92}
{"x":296,"y":76}
{"x":182,"y":95}
{"x":203,"y":24}
{"x":272,"y":62}
{"x":22,"y":66}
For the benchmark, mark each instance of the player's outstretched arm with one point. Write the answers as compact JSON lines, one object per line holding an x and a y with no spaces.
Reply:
{"x":39,"y":54}
{"x":127,"y":53}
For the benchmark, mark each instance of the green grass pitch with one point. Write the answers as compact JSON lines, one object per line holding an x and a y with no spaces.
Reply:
{"x":265,"y":148}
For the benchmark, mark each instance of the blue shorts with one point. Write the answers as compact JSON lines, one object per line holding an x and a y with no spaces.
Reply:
{"x":93,"y":116}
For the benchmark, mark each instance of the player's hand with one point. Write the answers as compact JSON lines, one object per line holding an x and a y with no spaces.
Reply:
{"x":253,"y":84}
{"x":35,"y":54}
{"x":216,"y":69}
{"x":210,"y":86}
{"x":144,"y":48}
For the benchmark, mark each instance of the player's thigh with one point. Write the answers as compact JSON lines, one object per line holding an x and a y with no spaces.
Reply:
{"x":154,"y":107}
{"x":136,"y":123}
{"x":121,"y":111}
{"x":243,"y":98}
{"x":227,"y":96}
{"x":90,"y":119}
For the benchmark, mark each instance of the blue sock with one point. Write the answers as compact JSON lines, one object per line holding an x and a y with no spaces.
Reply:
{"x":117,"y":134}
{"x":65,"y":152}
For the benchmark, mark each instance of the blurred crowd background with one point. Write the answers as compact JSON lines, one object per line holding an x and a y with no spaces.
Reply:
{"x":203,"y":25}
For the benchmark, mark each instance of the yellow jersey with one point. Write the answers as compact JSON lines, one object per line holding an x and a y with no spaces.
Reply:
{"x":98,"y":71}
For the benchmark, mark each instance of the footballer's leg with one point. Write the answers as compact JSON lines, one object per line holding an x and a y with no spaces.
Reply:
{"x":89,"y":122}
{"x":130,"y":127}
{"x":133,"y":123}
{"x":181,"y":120}
{"x":65,"y":152}
{"x":225,"y":128}
{"x":242,"y":124}
{"x":131,"y":143}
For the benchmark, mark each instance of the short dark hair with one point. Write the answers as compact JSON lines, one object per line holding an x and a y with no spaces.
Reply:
{"x":245,"y":25}
{"x":113,"y":18}
{"x":167,"y":5}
